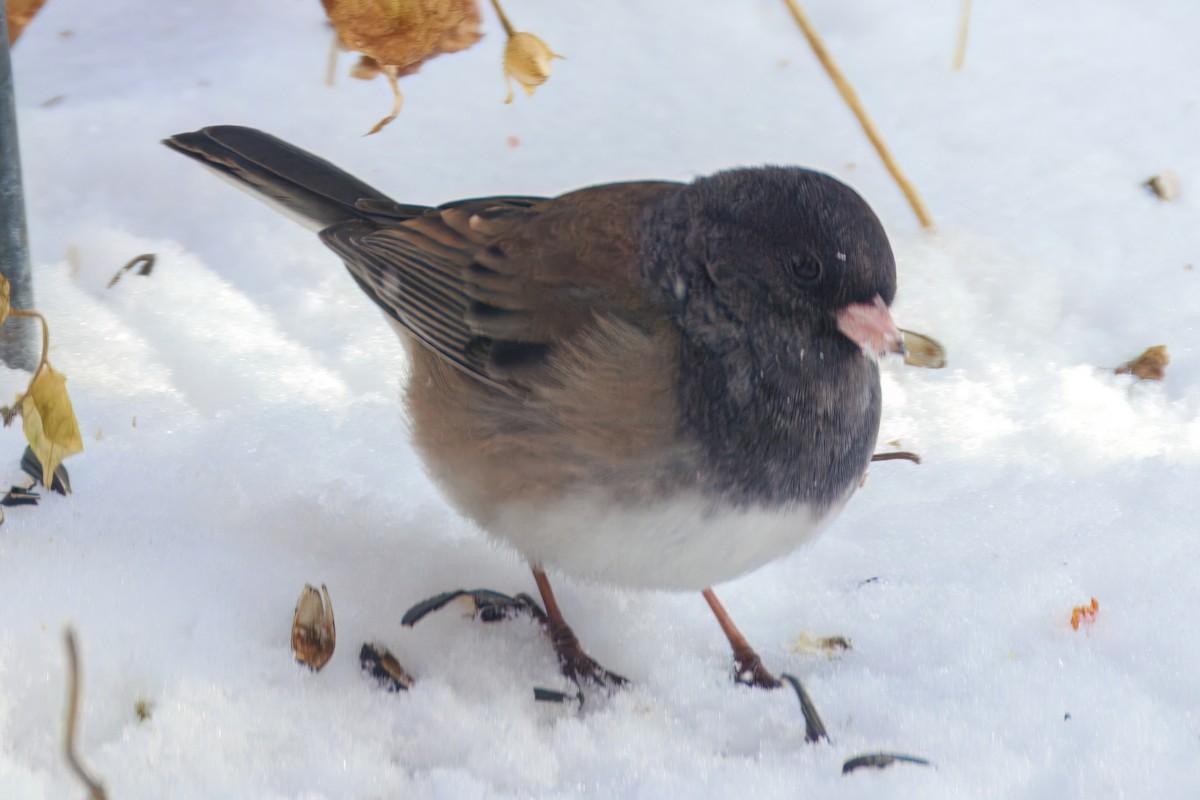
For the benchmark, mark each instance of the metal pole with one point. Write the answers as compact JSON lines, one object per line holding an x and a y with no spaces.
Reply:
{"x":17,"y":346}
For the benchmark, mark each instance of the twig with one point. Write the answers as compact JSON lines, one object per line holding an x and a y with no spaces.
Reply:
{"x":335,"y":49}
{"x":95,"y":789}
{"x":964,"y":23}
{"x":851,"y":98}
{"x":508,"y":28}
{"x":9,"y":413}
{"x":145,"y":262}
{"x":900,"y":455}
{"x":28,"y":312}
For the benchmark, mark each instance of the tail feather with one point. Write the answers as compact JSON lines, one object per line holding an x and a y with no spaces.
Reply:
{"x":304,"y":186}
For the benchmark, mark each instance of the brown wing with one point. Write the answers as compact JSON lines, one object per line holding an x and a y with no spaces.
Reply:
{"x":492,"y":285}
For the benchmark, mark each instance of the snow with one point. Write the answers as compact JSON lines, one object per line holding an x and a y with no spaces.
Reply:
{"x":244,"y":436}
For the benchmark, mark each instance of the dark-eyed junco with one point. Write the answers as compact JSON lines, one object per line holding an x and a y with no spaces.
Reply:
{"x":649,"y":384}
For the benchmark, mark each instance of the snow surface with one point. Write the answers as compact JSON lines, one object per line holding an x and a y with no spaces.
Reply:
{"x":244,"y":437}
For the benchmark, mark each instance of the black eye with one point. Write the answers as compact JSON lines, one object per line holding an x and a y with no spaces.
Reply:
{"x":806,"y":267}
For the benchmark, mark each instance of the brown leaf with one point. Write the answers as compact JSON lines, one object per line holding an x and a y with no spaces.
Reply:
{"x":49,"y":421}
{"x":314,"y":634}
{"x":20,"y":13}
{"x":1149,"y":366}
{"x":395,"y":37}
{"x":404,"y":33}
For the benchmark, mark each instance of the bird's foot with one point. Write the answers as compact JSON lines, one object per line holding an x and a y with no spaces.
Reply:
{"x":491,"y":606}
{"x":576,"y":665}
{"x":748,"y":670}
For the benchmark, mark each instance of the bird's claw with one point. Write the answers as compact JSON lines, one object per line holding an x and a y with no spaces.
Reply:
{"x":576,"y":665}
{"x":748,"y":670}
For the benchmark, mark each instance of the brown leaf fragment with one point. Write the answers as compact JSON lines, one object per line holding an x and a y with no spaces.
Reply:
{"x":20,"y":14}
{"x":829,"y":646}
{"x":381,"y":665}
{"x":1165,"y":185}
{"x":314,"y":635}
{"x":1149,"y":366}
{"x":404,"y":33}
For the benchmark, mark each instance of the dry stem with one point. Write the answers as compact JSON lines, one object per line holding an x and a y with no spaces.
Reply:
{"x":900,"y":455}
{"x":851,"y":98}
{"x":964,"y":22}
{"x":508,"y":28}
{"x":95,"y":789}
{"x":20,"y":312}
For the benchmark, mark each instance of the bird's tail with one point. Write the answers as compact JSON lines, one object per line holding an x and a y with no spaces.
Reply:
{"x":304,"y":186}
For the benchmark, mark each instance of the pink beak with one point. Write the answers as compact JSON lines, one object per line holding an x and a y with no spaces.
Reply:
{"x":870,"y":326}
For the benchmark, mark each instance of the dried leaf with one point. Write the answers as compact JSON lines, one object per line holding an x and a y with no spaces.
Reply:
{"x":1165,"y":185}
{"x":398,"y":36}
{"x":5,"y":293}
{"x":1081,"y":614}
{"x":922,"y":351}
{"x":20,"y":13}
{"x":49,"y":421}
{"x":1149,"y":366}
{"x":404,"y":33}
{"x":314,"y":634}
{"x":527,"y":61}
{"x":805,"y":642}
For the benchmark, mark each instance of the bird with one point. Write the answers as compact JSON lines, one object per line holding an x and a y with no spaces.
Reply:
{"x":652,"y":384}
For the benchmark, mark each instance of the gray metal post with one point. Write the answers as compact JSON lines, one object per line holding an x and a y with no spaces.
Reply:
{"x":18,"y":348}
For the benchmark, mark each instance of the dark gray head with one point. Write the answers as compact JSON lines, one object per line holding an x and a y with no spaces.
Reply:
{"x":779,"y":243}
{"x":761,"y":266}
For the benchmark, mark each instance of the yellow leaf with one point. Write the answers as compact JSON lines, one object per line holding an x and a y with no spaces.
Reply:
{"x":527,"y":60}
{"x":5,"y":291}
{"x":49,"y":421}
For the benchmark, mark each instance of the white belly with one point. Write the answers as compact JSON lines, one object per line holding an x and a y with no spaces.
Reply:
{"x":678,"y":544}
